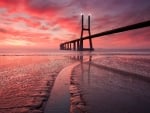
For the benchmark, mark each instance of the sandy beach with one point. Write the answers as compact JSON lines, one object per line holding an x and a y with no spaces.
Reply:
{"x":26,"y":82}
{"x":75,"y":83}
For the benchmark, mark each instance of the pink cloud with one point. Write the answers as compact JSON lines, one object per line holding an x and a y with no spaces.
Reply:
{"x":47,"y":22}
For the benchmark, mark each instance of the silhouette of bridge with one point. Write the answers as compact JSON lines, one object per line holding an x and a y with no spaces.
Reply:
{"x":77,"y":44}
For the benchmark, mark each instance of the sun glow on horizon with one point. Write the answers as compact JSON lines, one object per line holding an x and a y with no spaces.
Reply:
{"x":13,"y":42}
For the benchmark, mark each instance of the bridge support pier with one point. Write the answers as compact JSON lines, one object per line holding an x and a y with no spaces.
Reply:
{"x":89,"y":32}
{"x":78,"y":45}
{"x":74,"y":46}
{"x":69,"y":46}
{"x":63,"y":47}
{"x":66,"y":46}
{"x":81,"y":45}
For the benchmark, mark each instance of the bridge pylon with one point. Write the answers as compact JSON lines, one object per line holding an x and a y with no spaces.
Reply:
{"x":89,"y":32}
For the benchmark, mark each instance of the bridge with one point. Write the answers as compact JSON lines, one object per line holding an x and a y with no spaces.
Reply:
{"x":77,"y":44}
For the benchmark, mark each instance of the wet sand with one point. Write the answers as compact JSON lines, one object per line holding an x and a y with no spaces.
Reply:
{"x":97,"y":84}
{"x":26,"y":82}
{"x":112,"y":84}
{"x":59,"y":101}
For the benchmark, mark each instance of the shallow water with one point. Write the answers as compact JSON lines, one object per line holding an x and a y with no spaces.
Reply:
{"x":113,"y":84}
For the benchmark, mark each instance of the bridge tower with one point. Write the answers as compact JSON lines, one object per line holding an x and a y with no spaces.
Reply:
{"x":89,"y":32}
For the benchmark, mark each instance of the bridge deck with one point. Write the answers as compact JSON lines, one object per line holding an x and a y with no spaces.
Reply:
{"x":113,"y":31}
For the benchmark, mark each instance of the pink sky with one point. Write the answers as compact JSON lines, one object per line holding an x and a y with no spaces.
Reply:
{"x":44,"y":24}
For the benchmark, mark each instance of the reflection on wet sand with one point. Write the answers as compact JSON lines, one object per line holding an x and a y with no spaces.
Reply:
{"x":76,"y":100}
{"x":111,"y":84}
{"x":88,"y":60}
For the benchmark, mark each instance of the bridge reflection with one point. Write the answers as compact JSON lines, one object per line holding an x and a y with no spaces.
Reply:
{"x":84,"y":60}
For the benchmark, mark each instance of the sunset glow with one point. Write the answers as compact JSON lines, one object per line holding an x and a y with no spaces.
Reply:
{"x":17,"y":42}
{"x":47,"y":23}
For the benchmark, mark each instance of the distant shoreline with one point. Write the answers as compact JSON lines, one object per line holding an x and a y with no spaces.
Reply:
{"x":83,"y":53}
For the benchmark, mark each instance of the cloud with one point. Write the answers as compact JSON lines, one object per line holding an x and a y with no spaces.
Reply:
{"x":28,"y":21}
{"x":2,"y":30}
{"x":50,"y":21}
{"x":70,"y":23}
{"x":11,"y":5}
